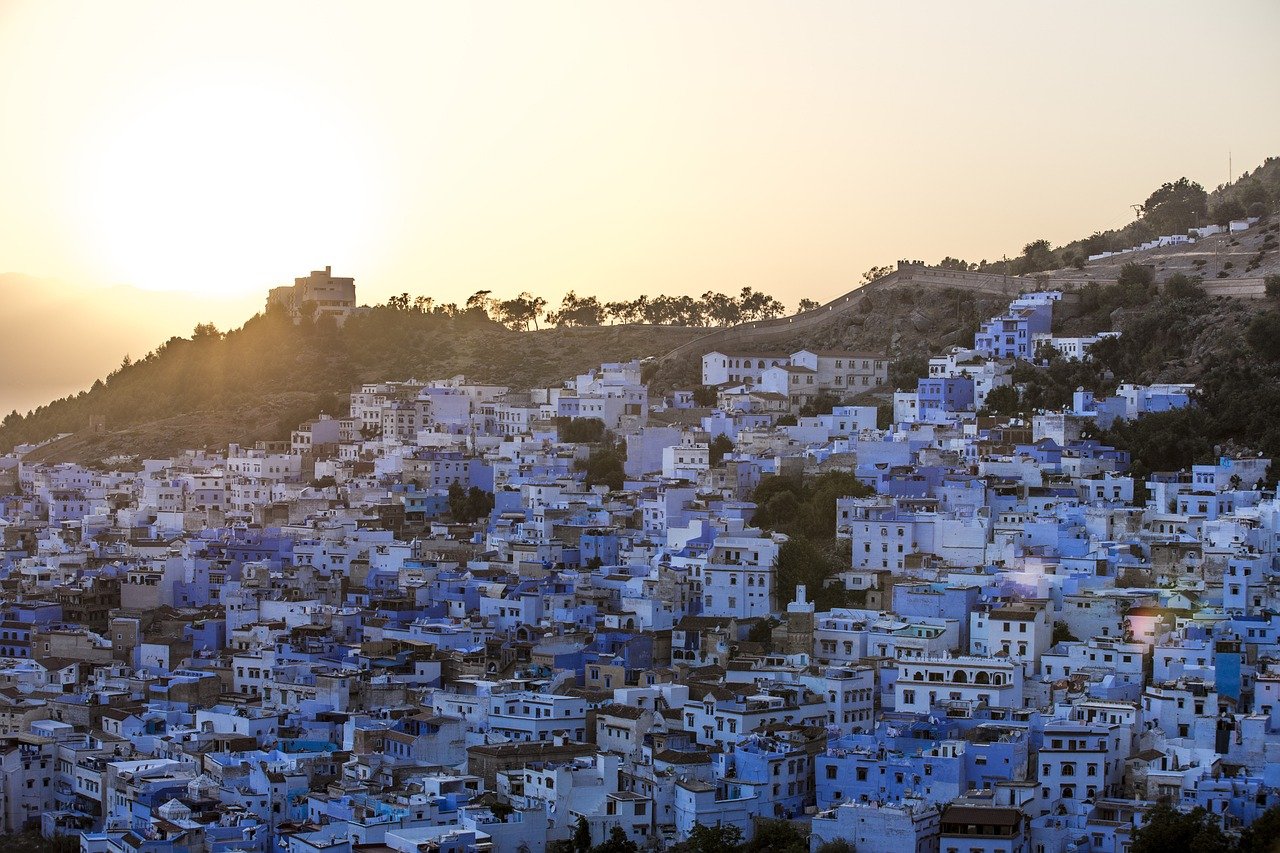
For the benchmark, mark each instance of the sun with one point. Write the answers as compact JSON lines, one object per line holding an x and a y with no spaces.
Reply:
{"x":221,"y":184}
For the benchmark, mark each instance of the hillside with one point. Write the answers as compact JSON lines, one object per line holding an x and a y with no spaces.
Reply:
{"x":1172,"y":331}
{"x":1175,"y":207}
{"x":259,"y":381}
{"x":910,"y":313}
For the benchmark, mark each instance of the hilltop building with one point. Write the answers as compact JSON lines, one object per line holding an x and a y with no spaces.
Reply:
{"x":317,"y":295}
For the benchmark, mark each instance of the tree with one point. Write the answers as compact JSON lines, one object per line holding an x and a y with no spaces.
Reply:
{"x":873,"y":273}
{"x":1037,"y":256}
{"x":1181,"y":286}
{"x":1272,"y":285}
{"x":479,"y":503}
{"x":724,"y":838}
{"x":837,"y":846}
{"x":578,"y":311}
{"x":1165,"y":441}
{"x":466,"y":506}
{"x":457,"y":501}
{"x":720,"y":445}
{"x":801,"y":562}
{"x":1134,"y":285}
{"x":704,"y":395}
{"x":1263,"y":835}
{"x":580,"y":430}
{"x":1175,"y":207}
{"x":1004,"y":400}
{"x":762,"y":632}
{"x":1097,"y":243}
{"x":1168,"y":830}
{"x":621,"y":312}
{"x":604,"y":467}
{"x":904,"y":371}
{"x":478,"y":304}
{"x":581,"y":840}
{"x":617,"y":842}
{"x":821,"y":404}
{"x":1264,"y":335}
{"x":1225,"y":211}
{"x":776,"y":836}
{"x":519,"y":311}
{"x":1062,"y":633}
{"x":720,"y":309}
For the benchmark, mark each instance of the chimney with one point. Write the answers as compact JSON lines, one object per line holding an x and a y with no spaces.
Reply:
{"x":328,"y":271}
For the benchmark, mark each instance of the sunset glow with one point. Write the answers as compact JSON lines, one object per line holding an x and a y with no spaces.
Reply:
{"x":205,"y":180}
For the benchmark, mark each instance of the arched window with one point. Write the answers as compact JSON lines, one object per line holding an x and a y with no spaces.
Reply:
{"x":960,"y":677}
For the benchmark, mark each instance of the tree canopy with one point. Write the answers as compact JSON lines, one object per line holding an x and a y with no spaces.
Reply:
{"x":1176,"y":207}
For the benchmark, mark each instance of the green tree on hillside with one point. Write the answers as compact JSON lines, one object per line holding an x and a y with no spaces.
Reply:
{"x":872,"y":273}
{"x":1181,"y":286}
{"x":578,"y":310}
{"x":1037,"y":256}
{"x":1272,"y":286}
{"x":1225,"y":211}
{"x":479,"y":304}
{"x":1264,"y":335}
{"x":519,"y":311}
{"x":1175,"y":207}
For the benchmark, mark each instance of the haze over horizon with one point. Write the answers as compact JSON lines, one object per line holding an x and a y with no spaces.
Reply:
{"x":613,"y":149}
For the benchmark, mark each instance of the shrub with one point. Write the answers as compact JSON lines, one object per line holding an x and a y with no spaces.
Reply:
{"x":1264,"y":335}
{"x":1179,"y":286}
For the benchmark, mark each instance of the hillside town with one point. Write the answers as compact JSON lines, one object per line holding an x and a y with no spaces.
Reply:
{"x":464,"y":617}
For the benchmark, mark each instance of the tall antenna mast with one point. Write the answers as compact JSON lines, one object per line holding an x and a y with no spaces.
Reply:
{"x":1231,"y":173}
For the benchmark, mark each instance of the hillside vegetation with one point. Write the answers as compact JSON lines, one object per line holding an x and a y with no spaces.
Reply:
{"x":1173,"y":332}
{"x":1172,"y":208}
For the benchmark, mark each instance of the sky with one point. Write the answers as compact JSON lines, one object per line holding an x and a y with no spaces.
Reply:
{"x":214,"y":150}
